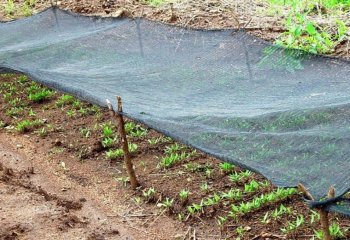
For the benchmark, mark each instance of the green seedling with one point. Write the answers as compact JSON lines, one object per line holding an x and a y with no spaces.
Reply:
{"x":335,"y":231}
{"x":204,"y":187}
{"x":237,"y":177}
{"x":251,"y":187}
{"x":123,"y":180}
{"x":9,"y":7}
{"x":71,"y":113}
{"x":114,"y":154}
{"x":31,"y":113}
{"x":40,"y":96}
{"x":108,"y":142}
{"x":279,"y":212}
{"x":292,"y":226}
{"x":26,"y":125}
{"x":167,"y":203}
{"x":85,"y":132}
{"x":135,"y":130}
{"x":226,"y":167}
{"x":14,"y":111}
{"x":174,"y":148}
{"x":221,"y":221}
{"x":132,"y":147}
{"x":42,"y":132}
{"x":171,"y":159}
{"x":184,"y":194}
{"x":212,"y":200}
{"x":232,"y":194}
{"x":107,"y":131}
{"x":149,"y":194}
{"x":194,"y":208}
{"x":65,"y":100}
{"x":154,"y":141}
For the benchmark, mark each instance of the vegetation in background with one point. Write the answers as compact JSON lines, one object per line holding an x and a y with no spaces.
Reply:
{"x":304,"y":32}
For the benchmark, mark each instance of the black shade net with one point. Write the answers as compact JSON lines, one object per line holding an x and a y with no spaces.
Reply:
{"x":280,"y":112}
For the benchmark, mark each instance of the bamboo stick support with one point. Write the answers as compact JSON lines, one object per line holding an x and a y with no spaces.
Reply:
{"x":122,"y":136}
{"x":323,"y":213}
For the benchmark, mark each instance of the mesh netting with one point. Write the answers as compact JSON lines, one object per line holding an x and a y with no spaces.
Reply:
{"x":280,"y":112}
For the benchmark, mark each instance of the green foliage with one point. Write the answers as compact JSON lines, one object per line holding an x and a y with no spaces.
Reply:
{"x":85,"y":132}
{"x":132,"y":147}
{"x":26,"y":125}
{"x":40,"y":95}
{"x":259,"y":201}
{"x":149,"y":194}
{"x":65,"y":100}
{"x":226,"y":167}
{"x":135,"y":130}
{"x":292,"y":226}
{"x":172,"y":158}
{"x":303,"y":33}
{"x":108,"y":142}
{"x":167,"y":203}
{"x":232,"y":194}
{"x":184,"y":194}
{"x":114,"y":154}
{"x":155,"y":3}
{"x":236,"y":177}
{"x":9,"y":7}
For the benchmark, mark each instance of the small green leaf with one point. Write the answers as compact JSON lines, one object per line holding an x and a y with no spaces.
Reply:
{"x":311,"y":29}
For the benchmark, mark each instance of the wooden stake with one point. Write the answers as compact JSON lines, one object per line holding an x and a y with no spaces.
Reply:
{"x":323,"y":214}
{"x":122,"y":135}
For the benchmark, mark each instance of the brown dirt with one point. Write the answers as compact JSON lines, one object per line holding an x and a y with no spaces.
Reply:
{"x":39,"y":200}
